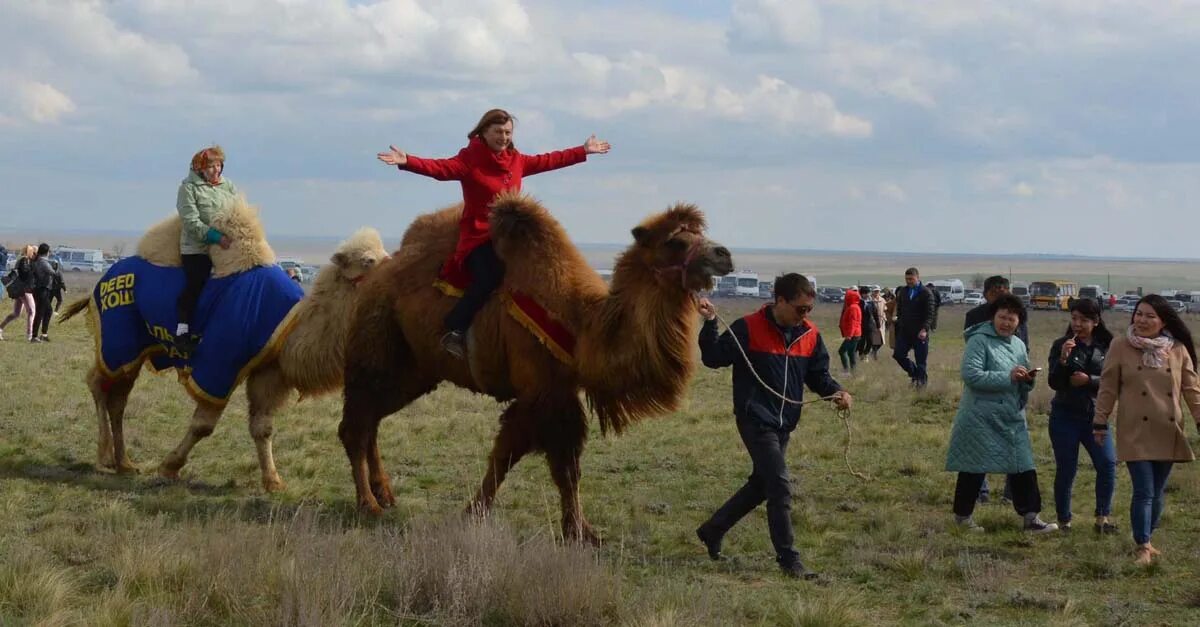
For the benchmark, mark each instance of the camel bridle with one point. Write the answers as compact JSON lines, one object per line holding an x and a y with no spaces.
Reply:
{"x":688,"y":257}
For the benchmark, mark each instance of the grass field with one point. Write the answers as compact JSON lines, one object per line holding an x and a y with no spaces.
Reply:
{"x":78,"y":547}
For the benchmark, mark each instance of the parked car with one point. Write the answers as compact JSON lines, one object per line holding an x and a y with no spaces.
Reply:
{"x":1127,"y":303}
{"x":973,"y":299}
{"x":831,"y":294}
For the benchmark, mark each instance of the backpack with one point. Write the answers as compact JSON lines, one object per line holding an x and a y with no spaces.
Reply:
{"x":12,"y":284}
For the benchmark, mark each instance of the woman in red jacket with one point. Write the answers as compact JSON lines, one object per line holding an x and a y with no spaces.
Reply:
{"x":490,"y":164}
{"x":851,"y":328}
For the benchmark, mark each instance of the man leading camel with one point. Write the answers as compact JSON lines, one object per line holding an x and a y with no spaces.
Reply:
{"x":787,"y":353}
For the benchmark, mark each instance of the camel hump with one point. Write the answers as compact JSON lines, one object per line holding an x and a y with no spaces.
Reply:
{"x":160,"y":244}
{"x":520,"y":220}
{"x":240,"y":221}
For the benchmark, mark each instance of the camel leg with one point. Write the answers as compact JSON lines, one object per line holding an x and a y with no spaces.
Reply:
{"x":512,"y":443}
{"x":118,"y":397}
{"x":204,"y":420}
{"x":104,"y":443}
{"x":562,"y":433}
{"x":267,"y":392}
{"x":368,"y":399}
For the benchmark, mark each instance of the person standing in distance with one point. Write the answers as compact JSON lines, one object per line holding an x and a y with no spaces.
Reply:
{"x":914,"y":318}
{"x":787,"y":352}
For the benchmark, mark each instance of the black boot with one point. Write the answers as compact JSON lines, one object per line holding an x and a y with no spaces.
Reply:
{"x":712,"y":544}
{"x":797,"y":570}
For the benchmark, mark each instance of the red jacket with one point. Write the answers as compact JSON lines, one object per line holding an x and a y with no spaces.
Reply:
{"x":483,"y":175}
{"x":851,"y":323}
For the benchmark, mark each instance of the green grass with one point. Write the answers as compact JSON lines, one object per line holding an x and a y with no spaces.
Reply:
{"x":82,"y":547}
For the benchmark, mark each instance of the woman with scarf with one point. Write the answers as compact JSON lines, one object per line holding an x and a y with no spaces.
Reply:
{"x":1146,"y":372}
{"x":489,"y":165}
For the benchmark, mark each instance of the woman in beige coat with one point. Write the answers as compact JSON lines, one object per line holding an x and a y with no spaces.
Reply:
{"x":1145,"y":374}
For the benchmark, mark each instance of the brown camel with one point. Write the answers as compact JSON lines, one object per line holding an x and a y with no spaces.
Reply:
{"x":308,"y":360}
{"x":634,"y":351}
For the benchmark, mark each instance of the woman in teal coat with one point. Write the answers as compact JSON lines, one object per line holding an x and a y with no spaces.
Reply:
{"x":990,"y":434}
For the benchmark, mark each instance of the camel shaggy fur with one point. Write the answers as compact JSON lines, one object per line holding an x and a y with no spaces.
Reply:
{"x":309,"y":360}
{"x":634,"y":351}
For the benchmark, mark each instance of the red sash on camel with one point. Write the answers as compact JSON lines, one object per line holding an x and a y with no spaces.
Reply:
{"x":453,"y":281}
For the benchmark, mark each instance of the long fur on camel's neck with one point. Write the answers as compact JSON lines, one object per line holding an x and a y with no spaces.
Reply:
{"x":634,"y":351}
{"x":313,"y":356}
{"x":160,"y":244}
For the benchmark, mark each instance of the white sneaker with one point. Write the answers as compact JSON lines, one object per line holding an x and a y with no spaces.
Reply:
{"x":968,"y":524}
{"x":1036,"y":526}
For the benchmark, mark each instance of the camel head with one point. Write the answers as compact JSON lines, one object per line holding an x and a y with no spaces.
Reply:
{"x":249,"y":247}
{"x":356,"y":256}
{"x":673,"y":245}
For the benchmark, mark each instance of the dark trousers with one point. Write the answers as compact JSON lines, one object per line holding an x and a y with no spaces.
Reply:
{"x":56,"y":298}
{"x":848,"y":352}
{"x":41,"y":301}
{"x":1025,"y":494}
{"x":1068,"y":431}
{"x":920,"y":349}
{"x":196,"y":269}
{"x":487,"y":272}
{"x":768,"y":482}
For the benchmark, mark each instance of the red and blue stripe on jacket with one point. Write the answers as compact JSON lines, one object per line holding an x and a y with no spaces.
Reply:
{"x":785,"y":359}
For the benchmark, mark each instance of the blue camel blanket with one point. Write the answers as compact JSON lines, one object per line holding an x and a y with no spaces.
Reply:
{"x":242,"y":318}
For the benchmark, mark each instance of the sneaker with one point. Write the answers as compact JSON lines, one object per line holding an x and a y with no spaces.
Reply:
{"x":797,"y":570}
{"x":187,"y":343}
{"x":1036,"y":526}
{"x":45,"y":338}
{"x":1064,"y":527}
{"x":1144,"y":555}
{"x":35,"y":340}
{"x":968,"y":524}
{"x":1106,"y":528}
{"x":455,"y":343}
{"x":712,"y":544}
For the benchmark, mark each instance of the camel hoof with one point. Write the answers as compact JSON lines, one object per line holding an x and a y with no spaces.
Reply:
{"x":475,"y":511}
{"x":168,"y":473}
{"x":274,"y":484}
{"x":370,"y":509}
{"x":127,"y":468}
{"x":383,"y":496}
{"x":585,"y":536}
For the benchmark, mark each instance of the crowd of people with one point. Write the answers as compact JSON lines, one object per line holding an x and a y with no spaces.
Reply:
{"x":1138,"y":375}
{"x":36,"y":286}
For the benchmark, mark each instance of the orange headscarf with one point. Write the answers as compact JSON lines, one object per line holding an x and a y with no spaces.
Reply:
{"x":207,"y":157}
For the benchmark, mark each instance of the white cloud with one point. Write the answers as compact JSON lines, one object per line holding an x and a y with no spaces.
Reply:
{"x":1023,"y":189}
{"x":893,"y":192}
{"x":775,"y":101}
{"x":42,"y":103}
{"x":775,"y":24}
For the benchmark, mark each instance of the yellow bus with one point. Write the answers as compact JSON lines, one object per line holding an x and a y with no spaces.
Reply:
{"x":1053,"y":294}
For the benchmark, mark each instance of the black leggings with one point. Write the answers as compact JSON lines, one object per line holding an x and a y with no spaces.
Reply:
{"x":487,"y":272}
{"x":196,"y":269}
{"x":1026,"y":497}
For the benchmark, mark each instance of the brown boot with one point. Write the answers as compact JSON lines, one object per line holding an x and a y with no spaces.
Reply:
{"x":1143,"y":555}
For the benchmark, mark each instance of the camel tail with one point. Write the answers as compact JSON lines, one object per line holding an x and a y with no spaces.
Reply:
{"x":74,"y":308}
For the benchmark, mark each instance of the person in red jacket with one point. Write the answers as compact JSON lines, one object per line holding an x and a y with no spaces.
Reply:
{"x":490,"y":164}
{"x":851,"y":327}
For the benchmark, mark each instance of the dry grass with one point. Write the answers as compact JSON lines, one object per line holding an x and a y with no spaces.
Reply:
{"x":79,"y":547}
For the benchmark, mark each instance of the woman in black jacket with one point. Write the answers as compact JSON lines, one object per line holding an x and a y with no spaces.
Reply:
{"x":1076,"y":360}
{"x":21,"y":291}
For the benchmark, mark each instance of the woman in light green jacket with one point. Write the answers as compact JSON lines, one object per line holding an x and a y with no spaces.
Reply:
{"x":202,"y":195}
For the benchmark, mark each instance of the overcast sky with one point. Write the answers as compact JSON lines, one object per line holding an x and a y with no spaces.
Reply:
{"x":1055,"y":126}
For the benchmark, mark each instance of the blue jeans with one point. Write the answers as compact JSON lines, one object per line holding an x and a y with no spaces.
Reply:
{"x":920,"y":348}
{"x":1145,"y":508}
{"x":1067,"y":431}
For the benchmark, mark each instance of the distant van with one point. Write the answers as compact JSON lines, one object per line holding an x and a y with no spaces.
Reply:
{"x":951,"y":291}
{"x":1053,"y":294}
{"x":80,"y":259}
{"x":1020,"y":289}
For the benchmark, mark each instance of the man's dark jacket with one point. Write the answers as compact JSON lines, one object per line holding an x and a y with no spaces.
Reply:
{"x":787,"y":358}
{"x":980,"y":314}
{"x":914,"y":311}
{"x":43,"y":274}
